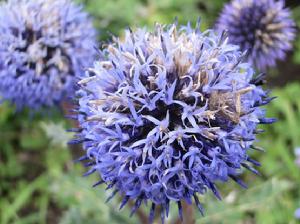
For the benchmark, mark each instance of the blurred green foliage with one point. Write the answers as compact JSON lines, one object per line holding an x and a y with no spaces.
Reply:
{"x":111,"y":17}
{"x":40,"y":183}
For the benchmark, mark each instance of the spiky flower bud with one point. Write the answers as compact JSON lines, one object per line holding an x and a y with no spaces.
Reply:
{"x":263,"y":27}
{"x":44,"y":45}
{"x":165,"y":115}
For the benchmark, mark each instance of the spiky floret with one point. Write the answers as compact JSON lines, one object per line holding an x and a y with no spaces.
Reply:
{"x":164,"y":115}
{"x":263,"y":27}
{"x":44,"y":45}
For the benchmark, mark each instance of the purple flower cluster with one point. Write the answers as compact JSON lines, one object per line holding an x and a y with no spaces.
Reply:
{"x":263,"y":27}
{"x":44,"y":45}
{"x":164,"y":115}
{"x":297,"y":154}
{"x":297,"y":213}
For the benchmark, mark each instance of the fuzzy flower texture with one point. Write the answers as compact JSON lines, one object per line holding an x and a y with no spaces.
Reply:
{"x":164,"y":115}
{"x":263,"y":27}
{"x":43,"y":47}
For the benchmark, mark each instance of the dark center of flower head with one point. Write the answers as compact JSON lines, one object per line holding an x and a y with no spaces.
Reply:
{"x":165,"y":115}
{"x":223,"y":111}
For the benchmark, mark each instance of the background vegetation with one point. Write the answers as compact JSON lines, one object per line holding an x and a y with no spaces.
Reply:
{"x":40,"y":183}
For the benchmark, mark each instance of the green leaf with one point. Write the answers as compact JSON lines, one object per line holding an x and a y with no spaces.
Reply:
{"x":21,"y":198}
{"x":56,"y":133}
{"x":251,"y":200}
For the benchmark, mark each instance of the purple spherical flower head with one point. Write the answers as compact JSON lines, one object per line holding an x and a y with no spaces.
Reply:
{"x":44,"y":45}
{"x":297,"y":213}
{"x":297,"y":154}
{"x":263,"y":27}
{"x":164,"y":115}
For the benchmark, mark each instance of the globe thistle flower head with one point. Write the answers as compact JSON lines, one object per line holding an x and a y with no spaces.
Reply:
{"x":44,"y":45}
{"x":164,"y":115}
{"x":297,"y":213}
{"x":263,"y":27}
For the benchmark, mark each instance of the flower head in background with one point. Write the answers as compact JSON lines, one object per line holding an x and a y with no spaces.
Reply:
{"x":262,"y":27}
{"x":164,"y":115}
{"x":297,"y":154}
{"x":44,"y":45}
{"x":297,"y":213}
